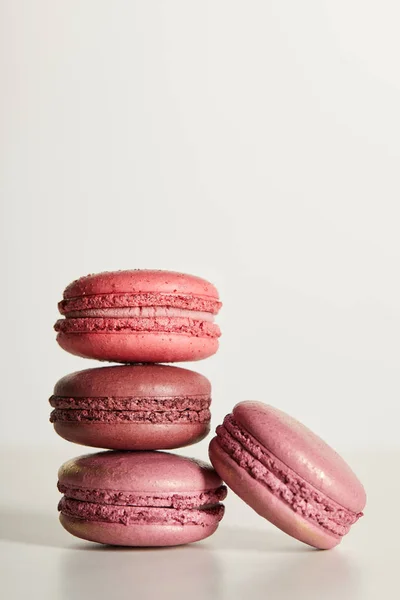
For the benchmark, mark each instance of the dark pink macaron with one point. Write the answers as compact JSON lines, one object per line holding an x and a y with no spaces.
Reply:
{"x":287,"y":474}
{"x":139,"y":316}
{"x":132,"y":407}
{"x":140,"y":498}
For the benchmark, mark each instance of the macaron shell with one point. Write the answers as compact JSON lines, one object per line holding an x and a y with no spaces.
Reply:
{"x":303,"y":452}
{"x":138,"y":347}
{"x":138,"y":472}
{"x":265,"y":503}
{"x":134,"y":436}
{"x":140,"y":281}
{"x":137,"y":535}
{"x":133,"y":380}
{"x":147,"y":382}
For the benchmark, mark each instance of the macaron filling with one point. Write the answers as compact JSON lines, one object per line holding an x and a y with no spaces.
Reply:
{"x":176,"y":325}
{"x":179,"y":500}
{"x":283,"y":482}
{"x":144,"y":300}
{"x":133,"y":515}
{"x":142,"y":312}
{"x":185,"y":410}
{"x":201,"y":508}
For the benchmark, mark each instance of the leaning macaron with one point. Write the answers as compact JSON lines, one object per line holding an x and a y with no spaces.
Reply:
{"x":140,"y":498}
{"x":287,"y":474}
{"x":139,"y":316}
{"x":132,"y":407}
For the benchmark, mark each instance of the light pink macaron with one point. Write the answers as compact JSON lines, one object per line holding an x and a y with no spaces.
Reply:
{"x":287,"y":474}
{"x":140,"y":498}
{"x":132,"y":407}
{"x":139,"y":316}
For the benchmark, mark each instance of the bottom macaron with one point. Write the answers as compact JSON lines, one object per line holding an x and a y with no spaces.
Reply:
{"x":140,"y":498}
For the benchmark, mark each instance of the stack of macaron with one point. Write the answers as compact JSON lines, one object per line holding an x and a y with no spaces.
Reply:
{"x":136,"y":494}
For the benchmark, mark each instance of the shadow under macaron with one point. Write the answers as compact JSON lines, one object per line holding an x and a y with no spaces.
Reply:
{"x":256,"y":540}
{"x":175,"y":572}
{"x":30,"y":527}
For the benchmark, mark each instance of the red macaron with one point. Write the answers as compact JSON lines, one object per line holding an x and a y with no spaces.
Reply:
{"x":139,"y":316}
{"x":132,"y":407}
{"x":287,"y":474}
{"x":140,"y":498}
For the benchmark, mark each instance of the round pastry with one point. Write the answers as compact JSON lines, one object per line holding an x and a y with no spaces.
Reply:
{"x":140,"y":498}
{"x":139,"y":316}
{"x":132,"y":407}
{"x":287,"y":474}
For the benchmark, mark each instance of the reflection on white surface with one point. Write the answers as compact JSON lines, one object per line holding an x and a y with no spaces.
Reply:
{"x":234,"y":562}
{"x":86,"y":569}
{"x":319,"y":575}
{"x":270,"y":564}
{"x":103,"y":572}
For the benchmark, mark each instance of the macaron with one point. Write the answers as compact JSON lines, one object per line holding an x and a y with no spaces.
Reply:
{"x":139,"y":316}
{"x":287,"y":474}
{"x":132,"y":407}
{"x":140,"y":498}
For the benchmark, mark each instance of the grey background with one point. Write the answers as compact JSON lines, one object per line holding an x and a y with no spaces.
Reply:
{"x":252,"y":143}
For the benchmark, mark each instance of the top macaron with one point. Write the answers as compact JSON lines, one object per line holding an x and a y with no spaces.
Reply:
{"x":139,"y":316}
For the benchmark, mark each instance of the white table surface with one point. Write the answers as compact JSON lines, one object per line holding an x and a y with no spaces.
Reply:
{"x":246,"y":556}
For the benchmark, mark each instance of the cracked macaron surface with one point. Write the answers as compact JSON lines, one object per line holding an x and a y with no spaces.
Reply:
{"x":139,"y":316}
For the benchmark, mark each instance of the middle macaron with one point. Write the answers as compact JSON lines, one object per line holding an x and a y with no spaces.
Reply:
{"x":132,"y":407}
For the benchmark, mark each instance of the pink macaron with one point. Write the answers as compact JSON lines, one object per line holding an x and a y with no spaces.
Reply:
{"x":140,"y":498}
{"x":287,"y":474}
{"x":132,"y":407}
{"x":139,"y":316}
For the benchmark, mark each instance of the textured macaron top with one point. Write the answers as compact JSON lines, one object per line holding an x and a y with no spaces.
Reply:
{"x":302,"y":451}
{"x":140,"y":281}
{"x":140,"y":381}
{"x":142,"y":472}
{"x":140,"y":288}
